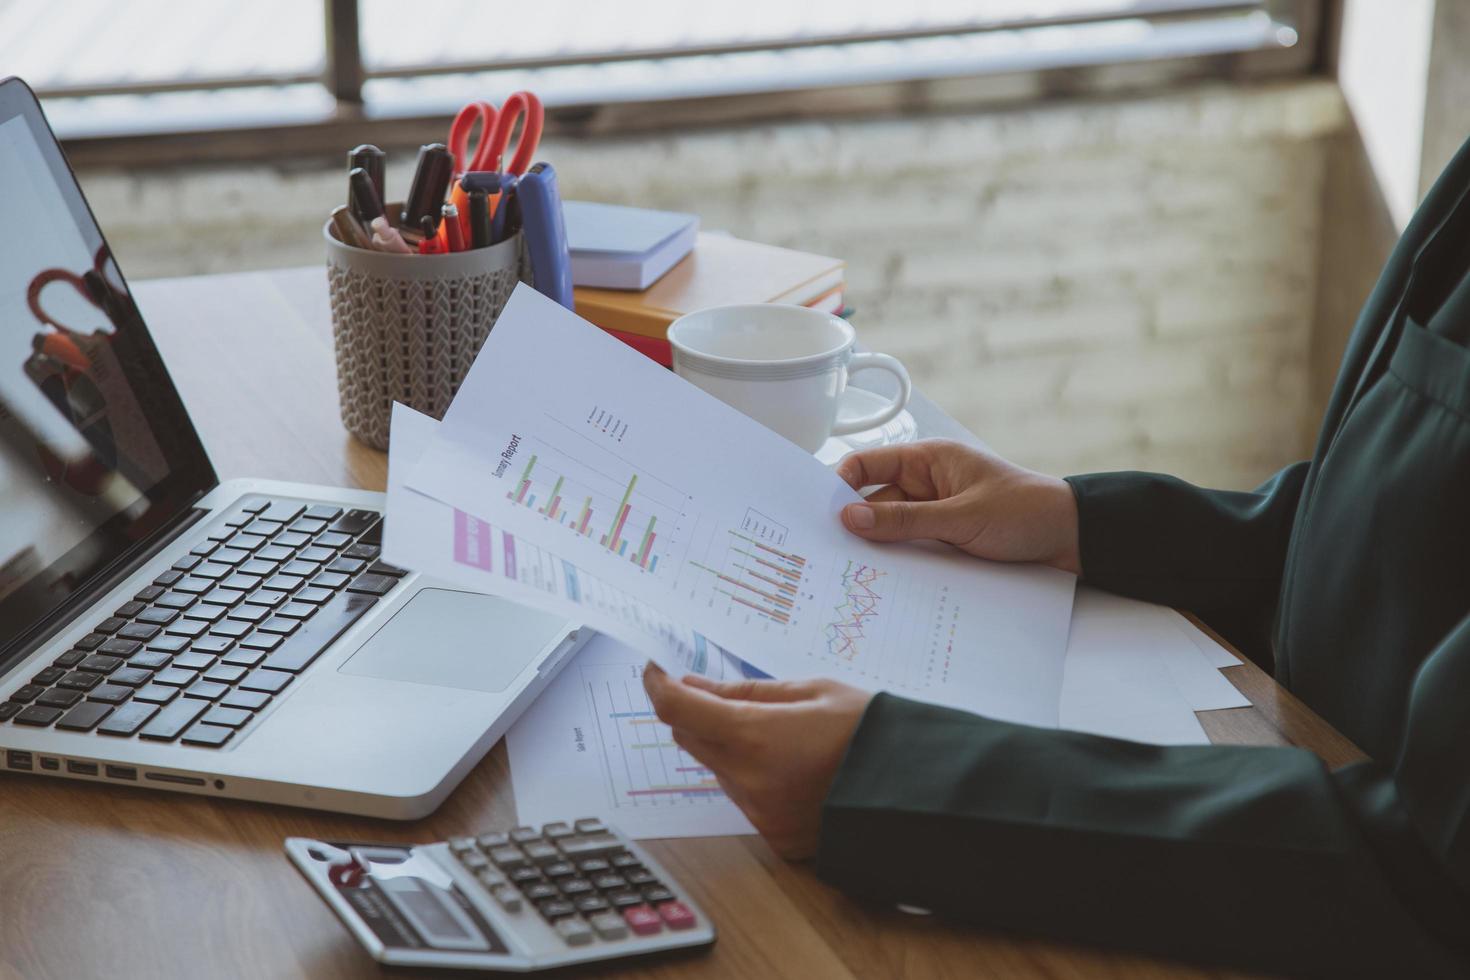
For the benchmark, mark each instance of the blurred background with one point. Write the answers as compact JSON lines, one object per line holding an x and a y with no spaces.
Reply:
{"x":1101,"y":233}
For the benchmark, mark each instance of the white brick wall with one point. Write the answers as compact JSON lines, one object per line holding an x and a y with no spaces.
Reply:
{"x":1087,"y":285}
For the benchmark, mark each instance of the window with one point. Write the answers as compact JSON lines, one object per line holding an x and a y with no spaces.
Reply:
{"x":215,"y":66}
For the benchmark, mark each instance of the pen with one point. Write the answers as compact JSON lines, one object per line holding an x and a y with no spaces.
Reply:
{"x":430,"y":243}
{"x":363,"y":197}
{"x":451,"y":227}
{"x":479,"y":218}
{"x":387,"y":239}
{"x":371,"y":159}
{"x":349,"y":231}
{"x":431,"y":177}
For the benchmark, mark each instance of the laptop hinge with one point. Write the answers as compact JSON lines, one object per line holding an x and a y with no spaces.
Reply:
{"x":60,"y":618}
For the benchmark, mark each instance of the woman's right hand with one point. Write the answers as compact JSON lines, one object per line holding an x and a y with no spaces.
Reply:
{"x":970,"y":498}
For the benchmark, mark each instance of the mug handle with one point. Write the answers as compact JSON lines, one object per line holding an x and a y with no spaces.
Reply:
{"x":881,"y":362}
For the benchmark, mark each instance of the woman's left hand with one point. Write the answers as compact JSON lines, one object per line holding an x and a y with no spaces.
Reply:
{"x":774,"y":745}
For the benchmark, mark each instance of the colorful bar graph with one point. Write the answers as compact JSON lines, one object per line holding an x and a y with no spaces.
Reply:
{"x":642,"y":557}
{"x":525,"y":480}
{"x":550,"y":509}
{"x":586,"y":516}
{"x":623,"y":508}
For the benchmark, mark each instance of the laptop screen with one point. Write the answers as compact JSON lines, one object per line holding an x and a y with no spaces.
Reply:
{"x":96,"y":451}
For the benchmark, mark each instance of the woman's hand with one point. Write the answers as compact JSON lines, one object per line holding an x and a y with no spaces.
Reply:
{"x":972,"y":499}
{"x":773,"y":745}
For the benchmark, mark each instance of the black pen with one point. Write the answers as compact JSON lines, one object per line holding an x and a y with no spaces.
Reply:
{"x":364,"y":200}
{"x":431,"y":179}
{"x":479,"y":218}
{"x":371,"y":159}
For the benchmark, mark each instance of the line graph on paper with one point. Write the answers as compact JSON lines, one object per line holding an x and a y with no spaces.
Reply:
{"x":644,"y":767}
{"x":848,"y":631}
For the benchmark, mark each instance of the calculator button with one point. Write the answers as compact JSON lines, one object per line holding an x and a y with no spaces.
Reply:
{"x":474,"y":860}
{"x":643,"y":920}
{"x":560,"y":869}
{"x":591,"y":825}
{"x":608,"y":925}
{"x":461,"y":845}
{"x":595,"y":845}
{"x":522,"y":875}
{"x":625,"y":860}
{"x":676,"y":915}
{"x":508,"y":897}
{"x":490,"y":878}
{"x":572,"y":887}
{"x":522,"y":835}
{"x":538,"y":891}
{"x":542,"y":852}
{"x":592,"y":866}
{"x":493,"y":840}
{"x":588,"y":904}
{"x":623,"y":900}
{"x":557,"y":830}
{"x":508,"y":856}
{"x":609,"y":882}
{"x":640,"y":876}
{"x":657,"y":894}
{"x":557,"y":908}
{"x":574,"y":931}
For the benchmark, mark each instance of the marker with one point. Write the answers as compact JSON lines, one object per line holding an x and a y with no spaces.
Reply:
{"x":430,"y":243}
{"x":387,"y":239}
{"x":479,"y":218}
{"x":364,"y":199}
{"x":371,"y":159}
{"x":451,"y":228}
{"x":431,"y":179}
{"x":349,"y":231}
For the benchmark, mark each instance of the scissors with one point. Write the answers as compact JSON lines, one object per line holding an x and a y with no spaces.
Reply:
{"x":496,"y":127}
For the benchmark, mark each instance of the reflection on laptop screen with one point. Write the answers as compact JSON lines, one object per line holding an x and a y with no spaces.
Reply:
{"x":90,"y":449}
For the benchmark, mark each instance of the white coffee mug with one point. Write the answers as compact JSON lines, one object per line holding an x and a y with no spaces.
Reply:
{"x":784,"y":366}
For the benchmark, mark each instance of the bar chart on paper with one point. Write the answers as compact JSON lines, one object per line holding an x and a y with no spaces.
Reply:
{"x":583,"y":484}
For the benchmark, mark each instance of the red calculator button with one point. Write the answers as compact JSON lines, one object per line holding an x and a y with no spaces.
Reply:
{"x":643,"y":920}
{"x":676,"y":915}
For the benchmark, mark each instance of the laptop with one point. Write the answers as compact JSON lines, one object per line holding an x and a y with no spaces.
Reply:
{"x":159,"y":628}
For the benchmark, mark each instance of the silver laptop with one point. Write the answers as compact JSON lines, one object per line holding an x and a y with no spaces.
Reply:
{"x":161,"y":629}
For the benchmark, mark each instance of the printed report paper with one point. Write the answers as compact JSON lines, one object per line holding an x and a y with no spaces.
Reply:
{"x":577,"y":445}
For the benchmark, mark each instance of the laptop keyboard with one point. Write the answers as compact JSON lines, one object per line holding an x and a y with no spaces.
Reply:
{"x":193,"y":656}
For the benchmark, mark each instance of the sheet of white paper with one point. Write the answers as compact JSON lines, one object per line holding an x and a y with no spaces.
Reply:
{"x":591,"y":747}
{"x":433,"y":538}
{"x":574,"y":443}
{"x":1199,"y":681}
{"x":1218,"y":656}
{"x":1115,"y":683}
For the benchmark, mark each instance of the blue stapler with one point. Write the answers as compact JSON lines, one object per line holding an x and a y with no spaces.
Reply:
{"x":539,"y":202}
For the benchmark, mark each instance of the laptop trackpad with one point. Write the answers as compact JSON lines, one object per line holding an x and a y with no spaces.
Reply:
{"x":456,"y":639}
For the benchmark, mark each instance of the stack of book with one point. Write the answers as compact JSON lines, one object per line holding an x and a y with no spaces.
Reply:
{"x":719,"y":272}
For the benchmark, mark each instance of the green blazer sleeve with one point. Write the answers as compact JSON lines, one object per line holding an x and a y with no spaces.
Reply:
{"x":1163,"y":540}
{"x":1257,"y":858}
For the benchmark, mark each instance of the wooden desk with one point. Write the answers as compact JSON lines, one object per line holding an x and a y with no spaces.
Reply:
{"x":105,"y":881}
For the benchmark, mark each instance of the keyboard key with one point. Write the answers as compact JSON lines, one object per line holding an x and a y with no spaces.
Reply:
{"x":250,"y":614}
{"x":27,"y":693}
{"x":355,"y":521}
{"x":156,"y":694}
{"x":284,"y":583}
{"x":80,"y":680}
{"x":212,"y":644}
{"x":101,"y":664}
{"x":372,"y":584}
{"x":120,"y":648}
{"x":69,"y":659}
{"x":267,"y":598}
{"x":280,"y":625}
{"x":323,"y":512}
{"x":194,"y":661}
{"x":249,"y":700}
{"x":149,"y":592}
{"x":175,"y":677}
{"x":374,"y":533}
{"x":91,"y":641}
{"x":231,"y":628}
{"x":333,"y":539}
{"x":131,"y":677}
{"x":194,"y":586}
{"x":188,"y":627}
{"x":284,"y":511}
{"x":169,"y":577}
{"x":305,"y":569}
{"x":331,"y":580}
{"x":242,"y":583}
{"x":319,"y":632}
{"x":383,"y":568}
{"x":230,"y":556}
{"x":204,"y":548}
{"x":150,"y":660}
{"x":48,"y":676}
{"x":224,"y":673}
{"x":228,"y":717}
{"x":168,"y":643}
{"x":643,"y":920}
{"x":256,"y":566}
{"x":209,"y":736}
{"x":173,"y":719}
{"x":347,"y":566}
{"x":133,"y":631}
{"x":184,"y":564}
{"x":9,"y":709}
{"x":128,"y":718}
{"x":262,"y":527}
{"x":247,"y":542}
{"x":316,"y":553}
{"x":224,"y":597}
{"x":129,"y":609}
{"x":243,"y":658}
{"x":207,"y":690}
{"x":309,"y":525}
{"x":113,"y":623}
{"x":275,"y":552}
{"x":264,"y":642}
{"x":296,"y":610}
{"x":37,"y":715}
{"x":176,"y":600}
{"x":158,"y":616}
{"x":292,"y":540}
{"x":213,"y":570}
{"x":313,"y":594}
{"x":676,"y":915}
{"x":367,"y":552}
{"x":574,"y":932}
{"x":254,"y":505}
{"x":59,"y":698}
{"x":110,"y":693}
{"x":204,"y":612}
{"x":269,"y":681}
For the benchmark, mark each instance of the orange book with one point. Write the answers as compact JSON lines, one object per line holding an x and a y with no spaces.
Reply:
{"x":720,"y":271}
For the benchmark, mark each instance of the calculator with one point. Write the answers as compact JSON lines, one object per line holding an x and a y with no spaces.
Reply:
{"x":517,"y":900}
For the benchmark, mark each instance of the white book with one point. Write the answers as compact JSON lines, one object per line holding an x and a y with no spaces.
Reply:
{"x":616,"y":247}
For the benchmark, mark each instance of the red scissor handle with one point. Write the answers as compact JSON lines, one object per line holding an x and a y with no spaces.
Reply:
{"x":482,"y":114}
{"x":496,"y":127}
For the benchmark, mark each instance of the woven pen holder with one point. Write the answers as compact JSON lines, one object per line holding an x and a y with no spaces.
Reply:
{"x":407,"y":327}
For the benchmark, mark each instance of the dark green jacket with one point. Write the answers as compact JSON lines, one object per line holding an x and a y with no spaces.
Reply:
{"x":1254,"y":857}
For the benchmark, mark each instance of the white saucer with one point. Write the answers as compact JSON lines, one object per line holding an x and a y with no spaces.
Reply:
{"x":858,"y":401}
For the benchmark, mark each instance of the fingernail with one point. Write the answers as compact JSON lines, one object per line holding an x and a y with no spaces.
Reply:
{"x":861,"y":516}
